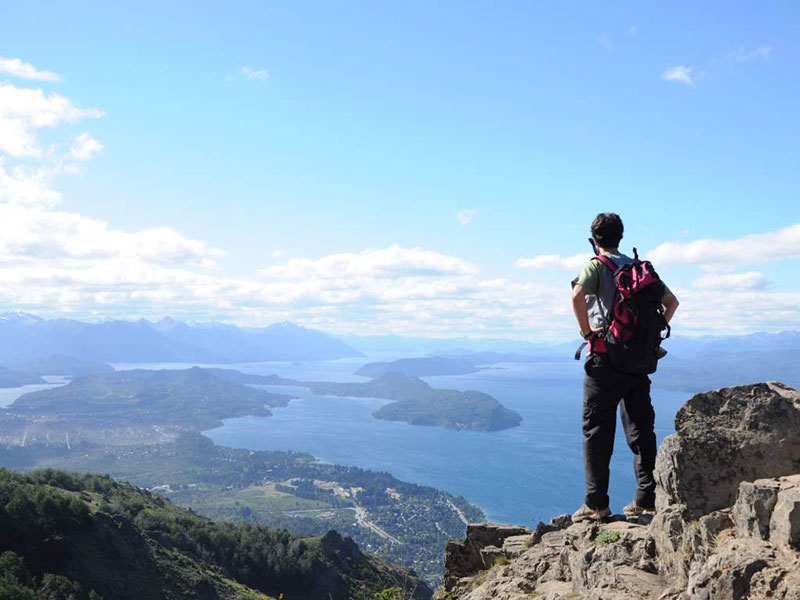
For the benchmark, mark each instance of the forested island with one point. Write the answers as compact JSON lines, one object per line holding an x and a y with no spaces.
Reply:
{"x":417,"y":403}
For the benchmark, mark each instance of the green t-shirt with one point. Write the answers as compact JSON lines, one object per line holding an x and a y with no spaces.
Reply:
{"x":589,"y":277}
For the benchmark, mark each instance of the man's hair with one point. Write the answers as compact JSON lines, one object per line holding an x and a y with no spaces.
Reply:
{"x":607,"y":230}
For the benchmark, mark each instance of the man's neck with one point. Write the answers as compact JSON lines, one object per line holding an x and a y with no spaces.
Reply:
{"x":608,"y":250}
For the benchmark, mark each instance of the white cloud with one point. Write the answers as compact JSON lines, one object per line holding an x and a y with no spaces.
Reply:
{"x":680,"y":73}
{"x":772,"y":246}
{"x":689,"y":75}
{"x":741,"y":55}
{"x":26,"y":185}
{"x":55,"y":261}
{"x":24,"y":110}
{"x":554,"y":261}
{"x":752,"y":280}
{"x":465,"y":216}
{"x":709,"y":311}
{"x":85,"y":147}
{"x":16,"y":68}
{"x":32,"y":234}
{"x":251,"y":73}
{"x":391,"y":262}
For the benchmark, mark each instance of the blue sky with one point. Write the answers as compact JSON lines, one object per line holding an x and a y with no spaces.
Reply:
{"x":310,"y":160}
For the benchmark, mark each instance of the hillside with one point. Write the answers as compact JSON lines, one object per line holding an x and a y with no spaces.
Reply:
{"x":61,"y":364}
{"x":10,"y":378}
{"x":186,"y":396}
{"x":85,"y":536}
{"x":727,"y":524}
{"x":134,"y":406}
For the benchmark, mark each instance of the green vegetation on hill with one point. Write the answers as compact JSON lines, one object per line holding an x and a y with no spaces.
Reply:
{"x":93,"y":407}
{"x":419,"y":404}
{"x":282,"y":489}
{"x":64,"y":535}
{"x":249,"y":378}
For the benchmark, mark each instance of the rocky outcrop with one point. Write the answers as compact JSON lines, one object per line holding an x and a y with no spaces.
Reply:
{"x":727,"y":525}
{"x":725,"y":437}
{"x":484,"y":543}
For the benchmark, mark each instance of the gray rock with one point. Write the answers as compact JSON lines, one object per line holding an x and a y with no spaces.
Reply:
{"x":784,"y":525}
{"x":753,"y":508}
{"x":727,"y":575}
{"x":561,"y":521}
{"x":492,"y":534}
{"x":480,"y":550}
{"x":515,"y":545}
{"x":725,"y":437}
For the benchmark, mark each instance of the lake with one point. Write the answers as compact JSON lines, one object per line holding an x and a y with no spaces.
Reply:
{"x":520,"y":475}
{"x":8,"y":395}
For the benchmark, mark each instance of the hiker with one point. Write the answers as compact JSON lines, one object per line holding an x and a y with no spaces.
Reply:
{"x":623,"y":339}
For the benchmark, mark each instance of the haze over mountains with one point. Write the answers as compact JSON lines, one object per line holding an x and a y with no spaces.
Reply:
{"x":25,"y":337}
{"x":693,"y":364}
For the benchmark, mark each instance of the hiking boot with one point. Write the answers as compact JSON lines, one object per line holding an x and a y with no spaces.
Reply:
{"x":584,"y":513}
{"x":634,"y":511}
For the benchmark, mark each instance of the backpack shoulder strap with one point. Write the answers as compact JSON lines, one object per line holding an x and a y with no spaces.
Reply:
{"x":606,"y":261}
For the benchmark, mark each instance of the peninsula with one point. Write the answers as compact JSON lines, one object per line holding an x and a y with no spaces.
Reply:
{"x":417,"y":403}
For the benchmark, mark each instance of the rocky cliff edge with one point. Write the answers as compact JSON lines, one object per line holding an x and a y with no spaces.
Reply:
{"x":727,"y":525}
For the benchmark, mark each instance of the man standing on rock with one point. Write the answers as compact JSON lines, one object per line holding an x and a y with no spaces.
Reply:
{"x":604,"y":386}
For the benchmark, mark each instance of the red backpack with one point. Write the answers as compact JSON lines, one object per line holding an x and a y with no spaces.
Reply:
{"x":636,"y":323}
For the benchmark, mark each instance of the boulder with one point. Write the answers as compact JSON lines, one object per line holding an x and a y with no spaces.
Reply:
{"x":725,"y":437}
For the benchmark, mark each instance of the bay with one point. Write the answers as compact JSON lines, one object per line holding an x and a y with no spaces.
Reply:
{"x":519,"y":475}
{"x":8,"y":395}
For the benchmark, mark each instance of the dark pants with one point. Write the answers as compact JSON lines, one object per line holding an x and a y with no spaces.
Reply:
{"x":603,"y":388}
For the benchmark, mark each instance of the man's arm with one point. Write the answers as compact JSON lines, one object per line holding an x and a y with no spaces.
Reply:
{"x":670,"y":304}
{"x":580,"y":309}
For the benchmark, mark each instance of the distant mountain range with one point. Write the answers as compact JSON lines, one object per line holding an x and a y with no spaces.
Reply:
{"x":75,"y":348}
{"x":25,"y":337}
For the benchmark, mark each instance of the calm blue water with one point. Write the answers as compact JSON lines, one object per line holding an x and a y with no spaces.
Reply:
{"x":8,"y":395}
{"x":520,"y":475}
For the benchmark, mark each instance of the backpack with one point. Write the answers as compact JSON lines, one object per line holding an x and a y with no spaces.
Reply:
{"x":636,"y":323}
